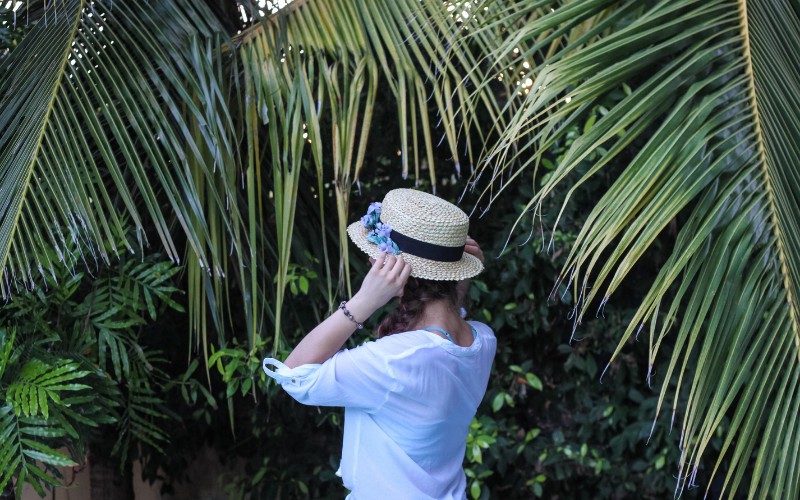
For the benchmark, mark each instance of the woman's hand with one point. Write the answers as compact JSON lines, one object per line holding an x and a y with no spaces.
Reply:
{"x":384,"y":281}
{"x":472,"y":248}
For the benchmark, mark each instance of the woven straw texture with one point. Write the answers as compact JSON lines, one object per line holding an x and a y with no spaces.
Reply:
{"x":427,"y":218}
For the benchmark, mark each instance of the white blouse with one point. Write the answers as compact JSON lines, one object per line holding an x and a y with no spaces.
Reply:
{"x":409,"y":399}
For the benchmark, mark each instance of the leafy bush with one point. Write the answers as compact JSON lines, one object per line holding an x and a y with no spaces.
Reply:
{"x":73,"y":366}
{"x":548,"y":427}
{"x":557,"y":420}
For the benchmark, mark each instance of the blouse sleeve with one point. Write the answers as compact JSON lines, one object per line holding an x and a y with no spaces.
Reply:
{"x":356,"y":378}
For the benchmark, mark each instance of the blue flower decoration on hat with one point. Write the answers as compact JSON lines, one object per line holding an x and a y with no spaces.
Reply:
{"x":379,"y":233}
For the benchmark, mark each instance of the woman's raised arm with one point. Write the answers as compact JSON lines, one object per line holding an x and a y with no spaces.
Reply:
{"x":385,"y":280}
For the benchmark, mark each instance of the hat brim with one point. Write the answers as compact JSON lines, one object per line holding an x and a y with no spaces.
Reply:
{"x":467,"y":267}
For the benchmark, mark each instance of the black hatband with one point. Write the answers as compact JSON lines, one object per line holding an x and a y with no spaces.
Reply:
{"x":426,"y":250}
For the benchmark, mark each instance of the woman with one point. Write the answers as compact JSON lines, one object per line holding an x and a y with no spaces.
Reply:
{"x":409,"y":396}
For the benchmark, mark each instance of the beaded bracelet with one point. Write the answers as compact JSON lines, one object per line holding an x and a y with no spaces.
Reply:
{"x":349,"y":316}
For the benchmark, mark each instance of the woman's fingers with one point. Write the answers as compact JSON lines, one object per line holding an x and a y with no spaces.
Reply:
{"x":398,"y":276}
{"x":377,"y":262}
{"x":386,"y":279}
{"x":396,"y":271}
{"x":384,"y":262}
{"x":472,"y":248}
{"x":405,"y":272}
{"x":393,"y":265}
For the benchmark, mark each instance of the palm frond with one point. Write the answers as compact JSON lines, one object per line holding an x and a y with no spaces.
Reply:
{"x":312,"y":74}
{"x":110,"y":119}
{"x":712,"y":107}
{"x":31,"y":419}
{"x":149,"y":117}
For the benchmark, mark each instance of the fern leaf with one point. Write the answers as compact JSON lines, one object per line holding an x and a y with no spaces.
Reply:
{"x":45,"y":454}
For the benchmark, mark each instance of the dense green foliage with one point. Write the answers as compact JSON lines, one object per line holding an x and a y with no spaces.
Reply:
{"x":75,"y":366}
{"x":548,"y":426}
{"x":706,"y":144}
{"x":11,"y":30}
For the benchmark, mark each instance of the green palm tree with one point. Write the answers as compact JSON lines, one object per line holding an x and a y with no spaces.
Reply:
{"x":709,"y":122}
{"x":149,"y":115}
{"x":147,"y":118}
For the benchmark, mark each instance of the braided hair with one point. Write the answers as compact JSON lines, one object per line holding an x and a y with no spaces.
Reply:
{"x":416,"y":294}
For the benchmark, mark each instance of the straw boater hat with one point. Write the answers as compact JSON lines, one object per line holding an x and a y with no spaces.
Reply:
{"x":428,"y":231}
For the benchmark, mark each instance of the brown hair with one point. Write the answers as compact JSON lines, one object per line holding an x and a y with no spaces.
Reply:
{"x":411,"y":305}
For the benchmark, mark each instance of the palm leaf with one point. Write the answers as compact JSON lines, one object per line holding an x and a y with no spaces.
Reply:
{"x":31,"y":419}
{"x":713,"y":100}
{"x":29,"y":460}
{"x":132,"y":127}
{"x":111,"y":118}
{"x":312,"y":74}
